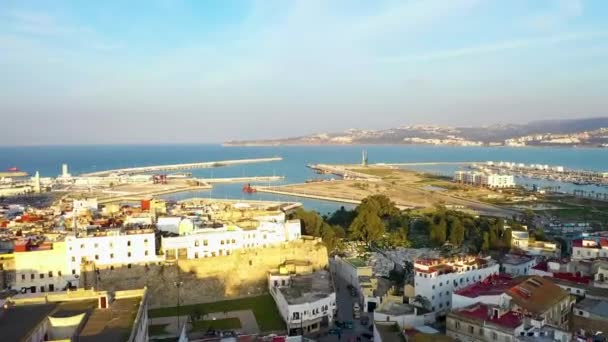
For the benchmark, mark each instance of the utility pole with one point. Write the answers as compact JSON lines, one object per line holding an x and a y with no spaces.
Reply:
{"x":178,"y":284}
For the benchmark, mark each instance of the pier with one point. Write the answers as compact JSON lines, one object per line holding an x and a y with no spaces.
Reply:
{"x":254,"y":179}
{"x":342,"y":171}
{"x":175,"y":167}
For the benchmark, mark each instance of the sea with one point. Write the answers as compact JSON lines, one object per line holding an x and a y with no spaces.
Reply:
{"x":88,"y":158}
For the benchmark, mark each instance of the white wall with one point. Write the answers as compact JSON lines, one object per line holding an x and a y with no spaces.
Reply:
{"x":438,"y":289}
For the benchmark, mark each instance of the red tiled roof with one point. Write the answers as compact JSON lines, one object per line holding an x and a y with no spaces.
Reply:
{"x":493,"y":285}
{"x":573,"y":277}
{"x":542,"y":266}
{"x":483,"y":312}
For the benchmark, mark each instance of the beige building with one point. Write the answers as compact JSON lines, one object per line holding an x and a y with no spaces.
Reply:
{"x":42,"y":268}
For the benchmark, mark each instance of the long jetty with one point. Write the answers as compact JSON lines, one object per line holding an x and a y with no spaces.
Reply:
{"x":253,"y":179}
{"x":175,"y":167}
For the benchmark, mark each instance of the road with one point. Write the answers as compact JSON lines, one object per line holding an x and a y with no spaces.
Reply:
{"x":345,"y":301}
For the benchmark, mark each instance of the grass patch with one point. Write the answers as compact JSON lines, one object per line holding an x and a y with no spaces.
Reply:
{"x":375,"y":171}
{"x":263,"y":307}
{"x":157,"y":329}
{"x":218,"y":324}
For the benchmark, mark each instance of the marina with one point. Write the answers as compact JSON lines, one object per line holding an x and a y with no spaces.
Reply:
{"x":546,"y":172}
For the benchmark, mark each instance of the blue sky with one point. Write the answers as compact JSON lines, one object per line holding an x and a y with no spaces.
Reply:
{"x":207,"y":71}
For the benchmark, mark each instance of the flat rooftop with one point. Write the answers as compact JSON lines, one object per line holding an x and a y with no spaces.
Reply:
{"x":396,"y":309}
{"x":594,"y":306}
{"x":112,"y":324}
{"x":308,"y":288}
{"x":356,"y":262}
{"x":389,"y":332}
{"x":514,"y":259}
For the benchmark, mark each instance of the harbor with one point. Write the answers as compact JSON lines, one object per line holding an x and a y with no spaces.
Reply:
{"x":546,"y":172}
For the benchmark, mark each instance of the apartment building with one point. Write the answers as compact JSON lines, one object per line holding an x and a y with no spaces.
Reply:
{"x":436,"y":279}
{"x":306,"y":301}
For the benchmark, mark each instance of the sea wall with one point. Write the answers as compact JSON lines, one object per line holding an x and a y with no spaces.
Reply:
{"x":208,"y":279}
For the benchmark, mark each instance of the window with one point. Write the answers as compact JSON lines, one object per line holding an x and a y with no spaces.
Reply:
{"x":233,"y":241}
{"x":73,"y":271}
{"x":50,"y":274}
{"x":59,"y":273}
{"x":96,"y":245}
{"x":111,"y":255}
{"x":23,"y":277}
{"x":296,"y":315}
{"x":73,"y":259}
{"x":129,"y":254}
{"x":222,"y":242}
{"x":82,"y":246}
{"x":205,"y":243}
{"x":96,"y":257}
{"x":128,"y":265}
{"x":494,"y":336}
{"x":433,"y":287}
{"x":195,"y":254}
{"x":111,"y":245}
{"x":480,"y":331}
{"x":146,"y":253}
{"x":129,"y":243}
{"x":195,"y":243}
{"x":457,"y":324}
{"x":32,"y":276}
{"x":471,"y":329}
{"x":145,"y":240}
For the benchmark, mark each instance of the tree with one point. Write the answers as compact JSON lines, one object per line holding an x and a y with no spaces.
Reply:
{"x":380,"y":205}
{"x":539,"y":234}
{"x":342,"y":217}
{"x":367,"y":226}
{"x":506,"y":238}
{"x":486,"y":242}
{"x":311,"y":221}
{"x":456,"y":232}
{"x":438,"y":229}
{"x":423,"y":302}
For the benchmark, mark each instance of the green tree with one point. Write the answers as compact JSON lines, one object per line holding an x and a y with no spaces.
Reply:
{"x":506,"y":238}
{"x":438,"y":229}
{"x":486,"y":242}
{"x":456,"y":232}
{"x":342,"y":217}
{"x":380,"y":205}
{"x":539,"y":234}
{"x":367,"y":226}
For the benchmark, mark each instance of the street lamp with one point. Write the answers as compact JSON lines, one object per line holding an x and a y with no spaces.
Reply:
{"x":178,"y":284}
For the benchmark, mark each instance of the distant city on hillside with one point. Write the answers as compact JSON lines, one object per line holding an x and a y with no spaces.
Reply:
{"x":590,"y":132}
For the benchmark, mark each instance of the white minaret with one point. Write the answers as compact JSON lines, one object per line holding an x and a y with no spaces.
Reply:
{"x":37,"y":187}
{"x":64,"y":170}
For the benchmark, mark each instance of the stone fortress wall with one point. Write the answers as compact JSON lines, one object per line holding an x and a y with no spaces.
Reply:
{"x":208,"y":279}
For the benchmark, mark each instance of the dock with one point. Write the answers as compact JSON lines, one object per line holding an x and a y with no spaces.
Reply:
{"x":341,"y":171}
{"x":254,"y":179}
{"x":176,"y":167}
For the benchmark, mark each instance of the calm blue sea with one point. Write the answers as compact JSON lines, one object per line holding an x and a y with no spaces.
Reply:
{"x":48,"y":160}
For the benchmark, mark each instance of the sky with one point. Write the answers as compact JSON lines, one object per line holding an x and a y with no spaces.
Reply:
{"x":161,"y":71}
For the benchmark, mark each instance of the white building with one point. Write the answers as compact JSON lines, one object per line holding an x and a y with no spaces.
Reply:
{"x":487,"y":179}
{"x":85,"y":204}
{"x":590,"y":248}
{"x":42,"y":267}
{"x":196,"y":242}
{"x":306,"y":302}
{"x":114,"y":247}
{"x":517,"y":265}
{"x":436,"y":279}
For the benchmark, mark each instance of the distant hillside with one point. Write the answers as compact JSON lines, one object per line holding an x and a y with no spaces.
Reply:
{"x":570,"y":132}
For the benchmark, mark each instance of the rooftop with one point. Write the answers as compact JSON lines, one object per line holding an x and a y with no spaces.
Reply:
{"x":485,"y":314}
{"x":536,"y":294}
{"x":590,"y":242}
{"x":308,"y":288}
{"x":396,"y":309}
{"x":389,"y":332}
{"x":514,"y":259}
{"x":356,"y":262}
{"x":594,"y":306}
{"x":493,"y":285}
{"x":115,"y":323}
